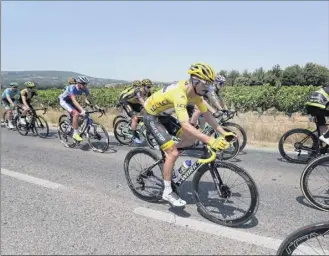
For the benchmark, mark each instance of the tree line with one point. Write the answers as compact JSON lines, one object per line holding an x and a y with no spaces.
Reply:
{"x":311,"y":74}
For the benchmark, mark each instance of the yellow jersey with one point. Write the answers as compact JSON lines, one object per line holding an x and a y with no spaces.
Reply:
{"x":174,"y":97}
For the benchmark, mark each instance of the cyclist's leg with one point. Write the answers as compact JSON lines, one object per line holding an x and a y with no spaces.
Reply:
{"x":131,"y":112}
{"x":9,"y":114}
{"x":163,"y":138}
{"x":319,"y":114}
{"x":75,"y":112}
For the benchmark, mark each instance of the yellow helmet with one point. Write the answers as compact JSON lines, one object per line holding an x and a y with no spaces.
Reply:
{"x":137,"y":83}
{"x":202,"y":71}
{"x":146,"y":82}
{"x":29,"y":84}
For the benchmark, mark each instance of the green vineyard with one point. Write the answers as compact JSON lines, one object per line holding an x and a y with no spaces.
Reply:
{"x":288,"y":99}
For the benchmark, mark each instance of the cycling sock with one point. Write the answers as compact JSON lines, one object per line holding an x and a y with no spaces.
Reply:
{"x":75,"y":132}
{"x":326,"y":135}
{"x":167,"y":188}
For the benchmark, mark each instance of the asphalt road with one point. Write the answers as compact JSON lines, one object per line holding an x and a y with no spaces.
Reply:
{"x":56,"y":200}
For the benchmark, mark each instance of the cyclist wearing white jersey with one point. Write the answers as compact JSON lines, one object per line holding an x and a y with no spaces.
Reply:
{"x":214,"y":97}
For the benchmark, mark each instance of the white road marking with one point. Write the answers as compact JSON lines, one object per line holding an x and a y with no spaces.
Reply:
{"x":221,"y":231}
{"x":30,"y":179}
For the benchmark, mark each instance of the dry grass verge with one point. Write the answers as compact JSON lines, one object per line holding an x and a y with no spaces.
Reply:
{"x":262,"y":130}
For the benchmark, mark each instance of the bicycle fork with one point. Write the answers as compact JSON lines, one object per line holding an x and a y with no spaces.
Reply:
{"x":223,"y":191}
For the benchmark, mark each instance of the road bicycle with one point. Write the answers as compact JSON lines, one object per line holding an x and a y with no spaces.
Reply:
{"x":313,"y":177}
{"x":123,"y":133}
{"x":303,"y":143}
{"x":146,"y":178}
{"x":88,"y":128}
{"x":33,"y":122}
{"x":308,"y":240}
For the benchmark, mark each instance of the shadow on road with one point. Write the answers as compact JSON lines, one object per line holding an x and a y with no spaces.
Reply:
{"x":86,"y":147}
{"x":302,"y":200}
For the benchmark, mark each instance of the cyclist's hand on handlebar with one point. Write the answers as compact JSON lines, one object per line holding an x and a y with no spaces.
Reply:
{"x":83,"y":112}
{"x":230,"y":136}
{"x":219,"y":143}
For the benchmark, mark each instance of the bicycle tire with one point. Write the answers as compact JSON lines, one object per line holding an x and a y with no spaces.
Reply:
{"x":304,"y":182}
{"x":106,"y":135}
{"x":19,"y":125}
{"x":149,"y":142}
{"x":301,"y":235}
{"x":60,"y":136}
{"x":315,"y":145}
{"x":116,"y":118}
{"x":155,"y":157}
{"x":117,"y":136}
{"x":63,"y":117}
{"x":242,"y":143}
{"x":36,"y":129}
{"x":250,"y":213}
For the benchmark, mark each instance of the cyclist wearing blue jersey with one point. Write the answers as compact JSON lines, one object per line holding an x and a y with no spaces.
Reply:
{"x":68,"y":101}
{"x":8,"y":100}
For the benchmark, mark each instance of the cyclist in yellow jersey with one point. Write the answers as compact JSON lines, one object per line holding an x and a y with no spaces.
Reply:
{"x":177,"y":96}
{"x":132,"y":100}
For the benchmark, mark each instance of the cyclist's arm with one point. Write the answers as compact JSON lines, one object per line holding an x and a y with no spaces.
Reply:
{"x":213,"y":99}
{"x":140,"y":98}
{"x":24,"y":101}
{"x":221,"y":101}
{"x":76,"y":103}
{"x":210,"y":108}
{"x":9,"y":99}
{"x":213,"y":123}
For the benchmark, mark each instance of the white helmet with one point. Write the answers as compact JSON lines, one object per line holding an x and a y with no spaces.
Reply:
{"x":220,"y":79}
{"x":82,"y":80}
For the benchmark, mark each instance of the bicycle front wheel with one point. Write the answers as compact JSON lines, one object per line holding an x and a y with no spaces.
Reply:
{"x":319,"y":169}
{"x":116,"y":119}
{"x":41,"y":127}
{"x":315,"y":238}
{"x":98,"y":132}
{"x":143,"y":171}
{"x":225,"y":184}
{"x":301,"y":146}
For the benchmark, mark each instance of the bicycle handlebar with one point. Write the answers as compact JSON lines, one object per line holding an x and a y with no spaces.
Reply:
{"x":102,"y":111}
{"x":212,"y":151}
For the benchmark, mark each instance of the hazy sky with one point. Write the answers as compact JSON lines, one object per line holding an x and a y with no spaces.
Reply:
{"x":133,"y":40}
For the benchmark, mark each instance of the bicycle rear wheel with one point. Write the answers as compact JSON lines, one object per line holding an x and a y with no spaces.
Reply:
{"x":220,"y":187}
{"x":232,"y":151}
{"x":122,"y":132}
{"x":295,"y":240}
{"x":148,"y":175}
{"x":242,"y":136}
{"x":65,"y":133}
{"x":304,"y":146}
{"x":41,"y":123}
{"x":93,"y":133}
{"x":321,"y":180}
{"x":22,"y":129}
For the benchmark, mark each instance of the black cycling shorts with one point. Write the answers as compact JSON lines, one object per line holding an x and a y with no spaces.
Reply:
{"x":131,"y":108}
{"x":162,"y":128}
{"x":319,"y":113}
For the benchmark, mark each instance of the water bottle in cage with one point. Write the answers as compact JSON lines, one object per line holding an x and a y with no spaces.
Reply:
{"x":181,"y":170}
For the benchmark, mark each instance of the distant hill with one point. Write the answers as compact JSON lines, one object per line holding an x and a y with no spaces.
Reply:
{"x":51,"y":78}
